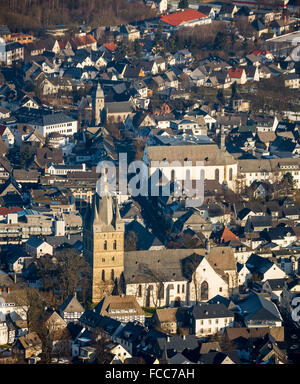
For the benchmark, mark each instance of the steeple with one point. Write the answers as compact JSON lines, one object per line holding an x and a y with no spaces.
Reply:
{"x":97,"y":103}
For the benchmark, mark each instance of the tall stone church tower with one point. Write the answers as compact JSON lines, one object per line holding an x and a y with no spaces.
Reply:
{"x":103,"y":245}
{"x":97,"y":104}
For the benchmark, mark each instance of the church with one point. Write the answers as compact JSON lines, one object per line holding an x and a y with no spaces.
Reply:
{"x":155,"y":278}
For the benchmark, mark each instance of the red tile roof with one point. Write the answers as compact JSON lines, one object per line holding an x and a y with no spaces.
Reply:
{"x":179,"y":18}
{"x":236,"y":73}
{"x":80,"y":41}
{"x":227,"y":235}
{"x":110,"y":46}
{"x":6,"y":211}
{"x":259,"y":52}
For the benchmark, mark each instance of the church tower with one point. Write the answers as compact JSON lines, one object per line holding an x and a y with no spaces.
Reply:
{"x":97,"y":104}
{"x":103,"y":244}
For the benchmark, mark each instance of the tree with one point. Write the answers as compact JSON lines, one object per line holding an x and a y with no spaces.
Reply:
{"x":183,"y":4}
{"x":289,"y":180}
{"x":121,"y":50}
{"x":233,"y":90}
{"x":73,"y":272}
{"x":25,"y":156}
{"x":32,"y":303}
{"x":137,"y":48}
{"x":47,"y":142}
{"x":220,"y":96}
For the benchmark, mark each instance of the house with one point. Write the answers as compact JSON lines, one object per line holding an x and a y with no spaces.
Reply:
{"x":20,"y":132}
{"x":7,"y":136}
{"x":4,"y":331}
{"x":227,"y":11}
{"x":165,"y":319}
{"x":267,"y":351}
{"x":230,"y":357}
{"x":282,"y":236}
{"x":240,"y":104}
{"x":256,"y":311}
{"x":169,"y":346}
{"x":263,"y":269}
{"x":278,"y":27}
{"x":159,"y":5}
{"x":83,"y":41}
{"x":4,"y":113}
{"x":71,"y":310}
{"x":11,"y":53}
{"x":27,"y":346}
{"x":238,"y":75}
{"x":244,"y":274}
{"x":120,"y":354}
{"x":208,"y":319}
{"x":259,"y":27}
{"x":129,"y":33}
{"x":292,"y":81}
{"x":37,"y":247}
{"x":186,"y":18}
{"x":122,"y":308}
{"x":274,"y":287}
{"x":55,"y":122}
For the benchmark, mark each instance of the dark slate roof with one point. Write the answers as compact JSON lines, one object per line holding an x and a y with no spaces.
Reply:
{"x":71,"y":304}
{"x":256,"y":307}
{"x":178,"y":343}
{"x":145,"y":239}
{"x":53,"y":118}
{"x":93,"y":320}
{"x":280,"y":233}
{"x":35,"y":242}
{"x":219,"y":357}
{"x":210,"y":311}
{"x":219,"y":299}
{"x":276,"y":283}
{"x":258,"y":264}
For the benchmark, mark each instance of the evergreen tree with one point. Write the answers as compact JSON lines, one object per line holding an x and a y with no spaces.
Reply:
{"x":183,"y":4}
{"x":137,"y":48}
{"x":233,"y":90}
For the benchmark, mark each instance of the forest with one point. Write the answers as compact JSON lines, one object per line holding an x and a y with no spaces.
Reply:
{"x":34,"y":15}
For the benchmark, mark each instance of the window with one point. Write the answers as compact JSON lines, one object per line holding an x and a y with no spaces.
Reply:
{"x":161,"y":291}
{"x":172,"y":175}
{"x":204,"y":291}
{"x":140,"y":291}
{"x":217,"y":174}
